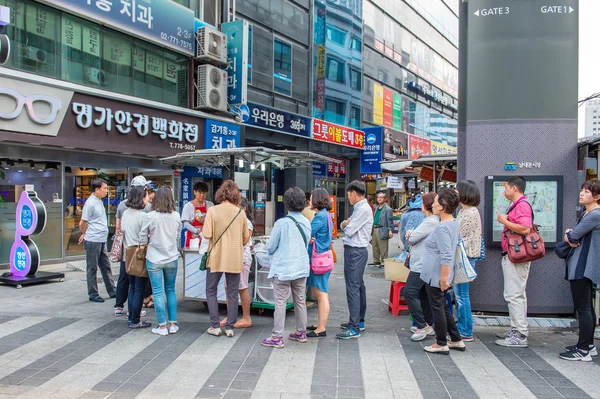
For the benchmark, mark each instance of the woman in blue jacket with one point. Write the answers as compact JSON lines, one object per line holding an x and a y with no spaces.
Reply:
{"x":322,"y":229}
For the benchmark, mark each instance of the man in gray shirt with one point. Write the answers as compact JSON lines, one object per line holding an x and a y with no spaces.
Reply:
{"x":357,"y":235}
{"x":94,"y":227}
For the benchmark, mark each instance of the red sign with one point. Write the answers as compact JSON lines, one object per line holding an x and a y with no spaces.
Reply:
{"x":448,"y":175}
{"x":337,"y":170}
{"x":379,"y":46}
{"x":337,"y":134}
{"x":426,"y":174}
{"x":418,"y":146}
{"x":389,"y":52}
{"x":320,"y":100}
{"x":397,"y":58}
{"x":387,"y":107}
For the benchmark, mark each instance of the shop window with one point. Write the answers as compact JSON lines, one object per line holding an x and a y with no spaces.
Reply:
{"x":355,"y":79}
{"x":48,"y":42}
{"x":336,"y":70}
{"x":336,"y":35}
{"x":250,"y":54}
{"x":335,"y":111}
{"x":355,"y":117}
{"x":282,"y":62}
{"x":356,"y":44}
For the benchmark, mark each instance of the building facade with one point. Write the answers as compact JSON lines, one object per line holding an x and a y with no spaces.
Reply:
{"x":592,"y":118}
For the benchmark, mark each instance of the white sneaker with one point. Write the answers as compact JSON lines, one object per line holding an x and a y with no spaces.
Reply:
{"x":173,"y":328}
{"x":421,"y":334}
{"x":160,"y":331}
{"x":431,"y":332}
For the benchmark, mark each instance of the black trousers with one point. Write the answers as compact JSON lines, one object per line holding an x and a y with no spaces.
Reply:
{"x":417,"y":300}
{"x":583,"y":299}
{"x":443,"y":320}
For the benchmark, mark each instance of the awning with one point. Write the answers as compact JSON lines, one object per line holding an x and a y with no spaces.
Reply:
{"x":282,"y":159}
{"x":394,"y":166}
{"x":429,"y":159}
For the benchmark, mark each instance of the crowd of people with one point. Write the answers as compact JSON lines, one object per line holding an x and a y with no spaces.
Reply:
{"x":431,"y":228}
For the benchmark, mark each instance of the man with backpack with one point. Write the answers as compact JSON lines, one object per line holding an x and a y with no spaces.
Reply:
{"x":518,"y":219}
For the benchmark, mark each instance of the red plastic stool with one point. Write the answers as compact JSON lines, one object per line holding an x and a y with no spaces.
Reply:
{"x":396,"y":303}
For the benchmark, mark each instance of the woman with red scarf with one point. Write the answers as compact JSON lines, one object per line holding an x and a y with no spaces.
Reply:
{"x":194,"y":212}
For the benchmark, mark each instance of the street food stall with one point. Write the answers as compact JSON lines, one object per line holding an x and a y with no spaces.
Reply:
{"x":260,"y":288}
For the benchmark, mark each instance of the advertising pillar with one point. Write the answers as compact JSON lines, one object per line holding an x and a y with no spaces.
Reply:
{"x":518,"y":117}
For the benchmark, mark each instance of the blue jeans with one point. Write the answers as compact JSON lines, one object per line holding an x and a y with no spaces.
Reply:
{"x":136,"y":297}
{"x":156,"y":272}
{"x":463,"y":307}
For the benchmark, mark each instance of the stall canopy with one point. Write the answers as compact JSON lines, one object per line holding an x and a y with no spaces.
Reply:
{"x":282,"y":159}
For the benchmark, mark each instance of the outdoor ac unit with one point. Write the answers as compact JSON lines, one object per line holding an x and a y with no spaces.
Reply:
{"x":212,"y":88}
{"x":211,"y":46}
{"x":95,"y":76}
{"x":35,"y":54}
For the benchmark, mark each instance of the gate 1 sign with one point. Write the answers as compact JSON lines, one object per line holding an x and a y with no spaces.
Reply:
{"x":30,"y":220}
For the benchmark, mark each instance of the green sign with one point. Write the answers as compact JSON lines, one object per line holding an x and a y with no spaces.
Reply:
{"x":397,"y":111}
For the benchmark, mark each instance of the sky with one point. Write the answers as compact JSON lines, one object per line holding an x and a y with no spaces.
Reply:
{"x":589,"y":54}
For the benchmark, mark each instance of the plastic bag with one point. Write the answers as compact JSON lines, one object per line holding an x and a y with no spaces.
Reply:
{"x":262,"y":255}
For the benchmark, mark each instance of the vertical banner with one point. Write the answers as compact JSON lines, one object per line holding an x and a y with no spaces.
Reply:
{"x":333,"y":214}
{"x":377,"y":104}
{"x":387,"y":108}
{"x":397,"y":111}
{"x":237,"y":61}
{"x":372,"y":155}
{"x":319,"y":54}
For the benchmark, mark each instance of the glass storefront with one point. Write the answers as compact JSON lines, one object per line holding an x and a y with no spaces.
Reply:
{"x":48,"y":42}
{"x":63,"y":190}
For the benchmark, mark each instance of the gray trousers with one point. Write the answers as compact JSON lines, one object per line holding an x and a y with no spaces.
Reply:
{"x":212,"y":284}
{"x":282,"y":293}
{"x":96,"y":257}
{"x":380,"y":247}
{"x":355,"y":261}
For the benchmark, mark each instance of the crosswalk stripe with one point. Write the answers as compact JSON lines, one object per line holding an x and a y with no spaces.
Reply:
{"x":385,"y":368}
{"x":44,"y":346}
{"x":48,"y":367}
{"x":488,"y":376}
{"x":583,"y":374}
{"x":29,"y":329}
{"x":535,"y":373}
{"x":5,"y":319}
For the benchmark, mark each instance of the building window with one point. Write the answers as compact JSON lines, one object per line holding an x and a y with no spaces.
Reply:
{"x":335,"y":111}
{"x":282,"y":60}
{"x":355,"y":79}
{"x":594,"y":115}
{"x":355,"y":44}
{"x":336,"y":35}
{"x":355,"y":117}
{"x":336,"y":70}
{"x":250,"y":54}
{"x":62,"y":46}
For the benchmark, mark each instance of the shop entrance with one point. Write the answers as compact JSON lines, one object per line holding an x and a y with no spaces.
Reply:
{"x":336,"y":188}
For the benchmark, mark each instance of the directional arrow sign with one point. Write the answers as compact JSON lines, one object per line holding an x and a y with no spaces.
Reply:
{"x":571,"y":9}
{"x":476,"y":13}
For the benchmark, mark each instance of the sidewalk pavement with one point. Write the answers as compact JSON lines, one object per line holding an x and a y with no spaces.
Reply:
{"x":54,"y":343}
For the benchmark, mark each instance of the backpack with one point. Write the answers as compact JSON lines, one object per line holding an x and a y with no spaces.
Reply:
{"x":522,"y":249}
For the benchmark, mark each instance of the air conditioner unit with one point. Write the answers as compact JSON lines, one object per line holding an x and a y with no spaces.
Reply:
{"x":212,"y":88}
{"x":35,"y":54}
{"x":95,"y":76}
{"x":211,"y":46}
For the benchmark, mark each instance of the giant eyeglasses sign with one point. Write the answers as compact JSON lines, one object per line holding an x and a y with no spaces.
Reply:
{"x":31,"y":220}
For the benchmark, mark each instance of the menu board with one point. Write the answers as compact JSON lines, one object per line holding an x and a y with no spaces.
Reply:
{"x":545,"y":197}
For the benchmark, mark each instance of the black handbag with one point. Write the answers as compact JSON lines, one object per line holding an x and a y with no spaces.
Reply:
{"x":563,"y":250}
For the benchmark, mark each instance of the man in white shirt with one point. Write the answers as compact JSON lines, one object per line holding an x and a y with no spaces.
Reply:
{"x":357,"y":236}
{"x":94,"y":229}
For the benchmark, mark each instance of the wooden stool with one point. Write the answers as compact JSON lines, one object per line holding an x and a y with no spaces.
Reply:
{"x":396,"y":303}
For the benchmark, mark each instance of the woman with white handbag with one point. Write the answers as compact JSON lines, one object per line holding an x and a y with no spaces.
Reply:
{"x":438,"y":263}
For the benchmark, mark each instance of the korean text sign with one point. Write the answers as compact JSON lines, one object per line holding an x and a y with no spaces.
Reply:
{"x":161,"y":21}
{"x":279,"y":121}
{"x":373,"y":152}
{"x":418,"y":146}
{"x":237,"y":61}
{"x":218,"y":135}
{"x":337,"y":134}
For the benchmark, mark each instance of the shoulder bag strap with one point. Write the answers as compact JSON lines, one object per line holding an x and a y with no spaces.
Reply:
{"x":299,"y":229}
{"x":224,"y":231}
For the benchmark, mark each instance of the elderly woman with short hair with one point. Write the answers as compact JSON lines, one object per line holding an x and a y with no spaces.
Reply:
{"x":289,"y":267}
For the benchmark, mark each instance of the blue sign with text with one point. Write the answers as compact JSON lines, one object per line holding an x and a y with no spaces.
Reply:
{"x":161,"y":21}
{"x":237,"y":61}
{"x":373,"y":151}
{"x":319,"y":169}
{"x":279,"y":121}
{"x":219,"y":135}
